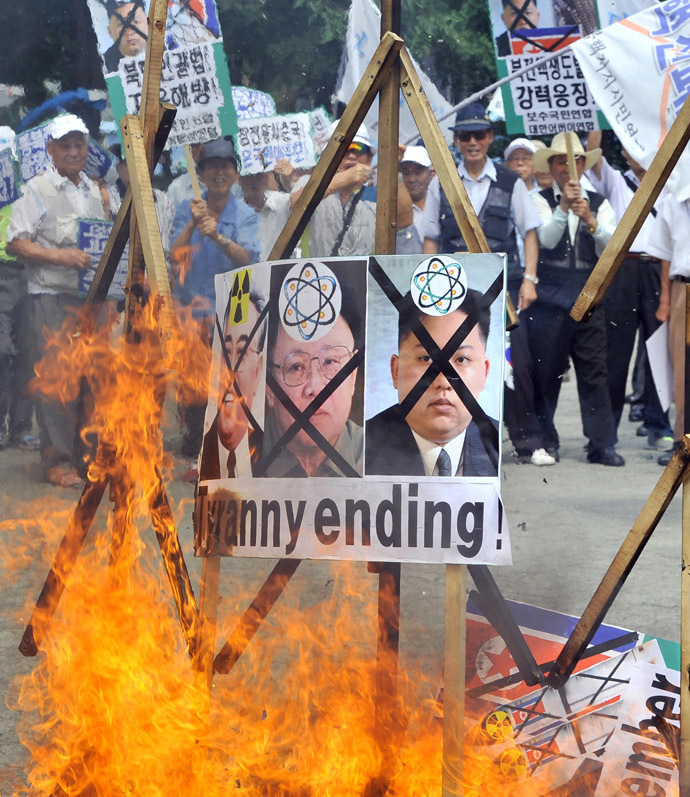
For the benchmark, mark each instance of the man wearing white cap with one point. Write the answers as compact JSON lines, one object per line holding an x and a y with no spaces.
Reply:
{"x":43,"y":234}
{"x":577,"y":225}
{"x":518,"y":157}
{"x":344,"y":222}
{"x":417,"y":174}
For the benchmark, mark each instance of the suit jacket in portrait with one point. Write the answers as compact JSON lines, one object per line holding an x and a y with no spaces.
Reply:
{"x":210,"y":460}
{"x":391,"y":449}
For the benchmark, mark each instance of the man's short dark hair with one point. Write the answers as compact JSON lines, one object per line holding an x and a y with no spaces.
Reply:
{"x":515,"y":3}
{"x":474,"y":303}
{"x":259,"y":301}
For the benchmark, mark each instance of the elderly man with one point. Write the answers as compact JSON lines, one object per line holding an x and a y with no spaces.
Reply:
{"x":519,"y":158}
{"x":233,"y":445}
{"x":507,"y":216}
{"x":417,"y":174}
{"x":128,"y":27}
{"x":303,"y":370}
{"x":344,"y":222}
{"x":43,"y":234}
{"x":577,"y":225}
{"x":519,"y":15}
{"x":438,"y":436}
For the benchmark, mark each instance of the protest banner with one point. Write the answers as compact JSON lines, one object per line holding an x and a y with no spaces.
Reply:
{"x":261,"y":143}
{"x":92,"y":237}
{"x":362,"y":39}
{"x":321,"y":127}
{"x":252,"y":103}
{"x":34,"y":158}
{"x":653,"y":43}
{"x":195,"y":75}
{"x":9,"y":189}
{"x":309,"y":375}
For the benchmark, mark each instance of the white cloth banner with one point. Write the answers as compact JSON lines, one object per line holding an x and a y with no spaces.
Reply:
{"x":363,"y":37}
{"x":639,"y":73}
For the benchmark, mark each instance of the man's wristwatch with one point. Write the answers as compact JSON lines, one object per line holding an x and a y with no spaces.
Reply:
{"x":531,"y":278}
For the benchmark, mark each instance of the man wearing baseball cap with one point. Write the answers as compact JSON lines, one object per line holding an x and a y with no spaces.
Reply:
{"x":43,"y":234}
{"x":417,"y":174}
{"x":518,"y":156}
{"x":504,"y":208}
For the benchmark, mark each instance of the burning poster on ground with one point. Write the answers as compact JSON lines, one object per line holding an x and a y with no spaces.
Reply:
{"x":195,"y":75}
{"x":355,"y":411}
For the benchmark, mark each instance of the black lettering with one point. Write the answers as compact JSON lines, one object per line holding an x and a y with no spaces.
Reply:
{"x":327,"y":515}
{"x":248,"y":508}
{"x":430,"y":511}
{"x":412,"y":492}
{"x":270,"y":508}
{"x":661,"y":682}
{"x":646,"y":756}
{"x":667,"y":705}
{"x":294,"y":524}
{"x":474,"y":537}
{"x":351,"y":507}
{"x":230,"y":530}
{"x":394,"y":509}
{"x":640,"y":786}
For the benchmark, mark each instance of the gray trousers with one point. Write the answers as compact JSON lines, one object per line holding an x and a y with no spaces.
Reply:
{"x":16,"y":404}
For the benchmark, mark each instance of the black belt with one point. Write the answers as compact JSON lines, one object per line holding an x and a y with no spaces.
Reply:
{"x":642,"y":257}
{"x":681,"y":279}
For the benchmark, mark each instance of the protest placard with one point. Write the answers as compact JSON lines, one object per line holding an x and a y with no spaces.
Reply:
{"x":315,"y":362}
{"x":653,"y":43}
{"x":195,"y":74}
{"x":34,"y":158}
{"x":252,"y":103}
{"x":9,"y":190}
{"x":554,"y":97}
{"x":321,"y":127}
{"x":261,"y":143}
{"x":92,"y":237}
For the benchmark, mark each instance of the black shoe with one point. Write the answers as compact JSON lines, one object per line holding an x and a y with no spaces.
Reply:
{"x":642,"y":431}
{"x":553,"y":451}
{"x":665,"y":458}
{"x":636,"y":413}
{"x":606,"y":456}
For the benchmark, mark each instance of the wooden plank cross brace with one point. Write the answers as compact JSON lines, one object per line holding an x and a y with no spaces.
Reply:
{"x":144,"y":139}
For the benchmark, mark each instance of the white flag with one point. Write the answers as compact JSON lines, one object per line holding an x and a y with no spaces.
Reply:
{"x":363,"y":37}
{"x":639,"y":73}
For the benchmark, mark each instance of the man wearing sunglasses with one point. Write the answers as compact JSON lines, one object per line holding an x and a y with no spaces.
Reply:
{"x":303,"y":369}
{"x":344,"y":222}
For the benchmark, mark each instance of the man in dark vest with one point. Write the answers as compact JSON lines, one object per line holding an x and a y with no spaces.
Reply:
{"x":502,"y":203}
{"x":577,"y":225}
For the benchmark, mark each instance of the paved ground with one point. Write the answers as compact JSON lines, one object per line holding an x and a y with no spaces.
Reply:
{"x":567,"y":523}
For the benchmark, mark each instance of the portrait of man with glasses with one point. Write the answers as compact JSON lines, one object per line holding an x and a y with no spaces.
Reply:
{"x":233,"y":444}
{"x":302,"y":370}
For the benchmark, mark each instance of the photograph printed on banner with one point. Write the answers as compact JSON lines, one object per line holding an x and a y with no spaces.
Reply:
{"x":315,"y":348}
{"x":435,"y":382}
{"x":517,"y":23}
{"x":233,"y":431}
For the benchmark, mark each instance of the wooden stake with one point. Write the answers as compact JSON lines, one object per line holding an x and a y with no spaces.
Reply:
{"x":379,"y":68}
{"x":444,"y":164}
{"x":210,"y":579}
{"x":191,"y":170}
{"x":572,"y":169}
{"x":684,"y":757}
{"x":642,"y":202}
{"x":624,"y":561}
{"x":454,"y":680}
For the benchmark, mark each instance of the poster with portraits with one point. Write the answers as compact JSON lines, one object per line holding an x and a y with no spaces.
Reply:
{"x":195,"y":76}
{"x":355,"y":411}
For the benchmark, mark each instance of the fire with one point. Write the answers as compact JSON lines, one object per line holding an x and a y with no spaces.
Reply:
{"x":113,"y":705}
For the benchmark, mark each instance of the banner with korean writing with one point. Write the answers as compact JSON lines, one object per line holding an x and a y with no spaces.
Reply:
{"x":654,"y":44}
{"x":92,"y":237}
{"x":9,"y":189}
{"x":261,"y":143}
{"x":355,"y":411}
{"x":195,"y":74}
{"x":554,"y":97}
{"x":34,"y":158}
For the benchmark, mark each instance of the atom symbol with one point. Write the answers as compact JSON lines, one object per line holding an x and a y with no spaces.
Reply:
{"x":441,"y":286}
{"x":309,"y":301}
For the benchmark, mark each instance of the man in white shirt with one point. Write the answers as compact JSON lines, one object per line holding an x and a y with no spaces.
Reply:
{"x":417,"y":176}
{"x":577,"y":225}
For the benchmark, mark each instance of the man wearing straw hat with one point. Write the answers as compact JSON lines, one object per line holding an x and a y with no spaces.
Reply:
{"x":577,"y":225}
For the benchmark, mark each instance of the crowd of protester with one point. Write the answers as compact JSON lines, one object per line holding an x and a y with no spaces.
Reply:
{"x":551,"y":227}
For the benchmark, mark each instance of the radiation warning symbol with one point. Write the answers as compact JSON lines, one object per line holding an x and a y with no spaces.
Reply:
{"x":438,"y":285}
{"x":512,"y":764}
{"x":498,"y":725}
{"x":309,"y":301}
{"x":239,"y":298}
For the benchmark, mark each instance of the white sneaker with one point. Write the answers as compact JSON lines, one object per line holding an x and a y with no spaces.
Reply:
{"x":542,"y":457}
